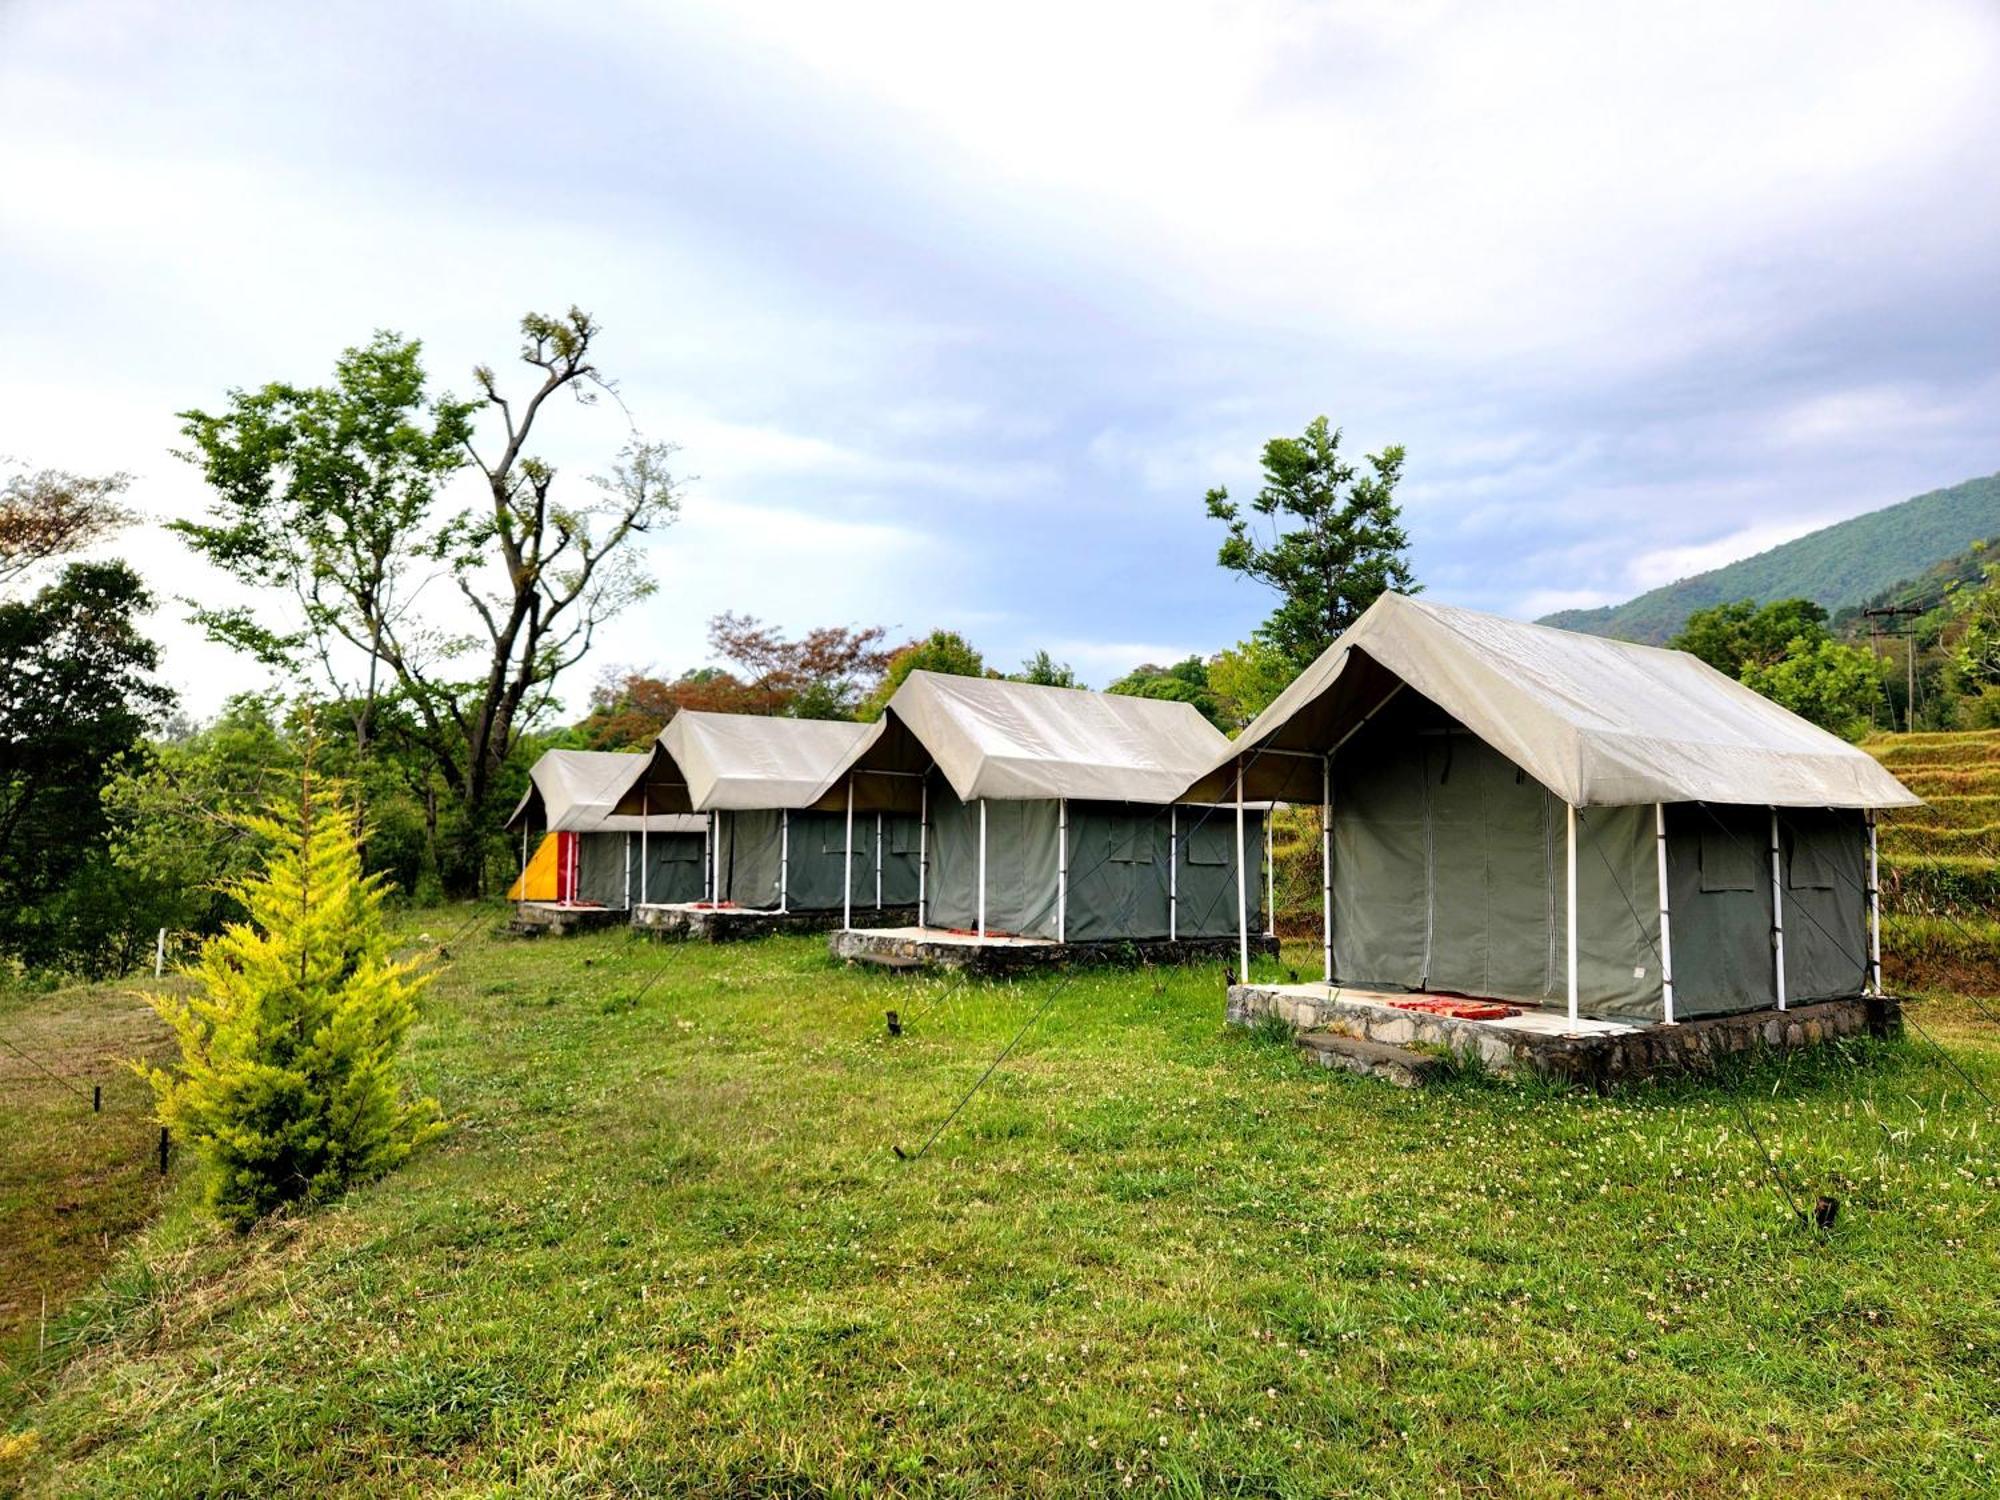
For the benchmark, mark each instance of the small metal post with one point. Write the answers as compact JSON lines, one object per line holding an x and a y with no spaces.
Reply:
{"x":1777,"y":913}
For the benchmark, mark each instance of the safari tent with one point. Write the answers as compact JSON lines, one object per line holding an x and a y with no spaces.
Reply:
{"x":1533,"y":815}
{"x":752,"y":779}
{"x":589,"y":854}
{"x":1049,"y":812}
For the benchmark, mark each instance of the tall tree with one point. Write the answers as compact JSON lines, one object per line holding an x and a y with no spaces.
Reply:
{"x":337,"y":494}
{"x":824,"y":674}
{"x":46,"y":513}
{"x":1346,"y":549}
{"x":1185,"y":681}
{"x":944,"y":651}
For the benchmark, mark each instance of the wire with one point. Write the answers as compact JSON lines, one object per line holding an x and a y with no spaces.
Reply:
{"x":42,"y":1067}
{"x":991,"y":1067}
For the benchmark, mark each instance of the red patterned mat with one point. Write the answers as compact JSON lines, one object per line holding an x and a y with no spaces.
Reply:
{"x":1461,"y":1010}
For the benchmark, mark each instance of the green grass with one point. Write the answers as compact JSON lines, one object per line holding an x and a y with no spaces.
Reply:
{"x":666,"y":1247}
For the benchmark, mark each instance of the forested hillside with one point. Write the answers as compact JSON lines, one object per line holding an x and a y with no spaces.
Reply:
{"x":1838,"y":565}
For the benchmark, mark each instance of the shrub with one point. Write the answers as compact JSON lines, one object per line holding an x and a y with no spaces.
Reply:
{"x":287,"y":1087}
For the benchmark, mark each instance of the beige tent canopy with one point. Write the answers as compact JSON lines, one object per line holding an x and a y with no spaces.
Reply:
{"x":1046,"y":811}
{"x":588,"y":848}
{"x":1463,"y":761}
{"x":754,"y":779}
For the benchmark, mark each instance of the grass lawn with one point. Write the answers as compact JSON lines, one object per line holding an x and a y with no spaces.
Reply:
{"x":666,"y":1247}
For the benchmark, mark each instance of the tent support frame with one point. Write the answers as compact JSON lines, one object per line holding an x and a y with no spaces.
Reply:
{"x":878,"y":853}
{"x":1062,"y":869}
{"x":645,"y":864}
{"x":1874,"y":914}
{"x":1326,"y":862}
{"x":923,"y":847}
{"x":1777,"y":913}
{"x":982,"y":868}
{"x":847,"y":867}
{"x":784,"y":860}
{"x":1569,"y":922}
{"x":1173,"y":873}
{"x":1666,"y":931}
{"x":1242,"y":886}
{"x":1271,"y":870}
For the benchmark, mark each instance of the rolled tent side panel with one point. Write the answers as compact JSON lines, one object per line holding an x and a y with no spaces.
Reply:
{"x":951,"y":894}
{"x":1618,"y":921}
{"x":1719,"y":890}
{"x":1022,"y":849}
{"x":1117,"y":871}
{"x":901,"y":844}
{"x":674,"y":873}
{"x":1823,"y":855}
{"x":600,"y":869}
{"x":750,"y":852}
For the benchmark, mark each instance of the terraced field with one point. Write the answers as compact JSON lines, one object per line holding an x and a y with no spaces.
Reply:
{"x":1941,"y":863}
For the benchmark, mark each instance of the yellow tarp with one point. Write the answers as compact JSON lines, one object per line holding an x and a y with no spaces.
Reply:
{"x":541,"y":879}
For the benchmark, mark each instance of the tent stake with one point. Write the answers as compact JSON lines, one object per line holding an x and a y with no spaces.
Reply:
{"x":1570,"y":921}
{"x":1777,"y":914}
{"x":1242,"y":885}
{"x":1666,"y":936}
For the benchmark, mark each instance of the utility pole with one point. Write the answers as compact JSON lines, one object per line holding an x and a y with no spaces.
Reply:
{"x":1890,"y":612}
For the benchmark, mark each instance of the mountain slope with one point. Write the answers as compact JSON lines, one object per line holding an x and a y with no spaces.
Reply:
{"x":1837,"y":565}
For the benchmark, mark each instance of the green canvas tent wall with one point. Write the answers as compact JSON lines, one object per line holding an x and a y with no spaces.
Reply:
{"x":754,"y":779}
{"x":1535,"y":815}
{"x":591,"y":855}
{"x":1049,"y":812}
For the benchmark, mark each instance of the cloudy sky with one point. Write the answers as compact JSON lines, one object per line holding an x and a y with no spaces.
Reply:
{"x":957,"y":311}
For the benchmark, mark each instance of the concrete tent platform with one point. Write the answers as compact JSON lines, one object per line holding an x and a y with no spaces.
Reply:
{"x":1542,"y":1040}
{"x":997,"y":953}
{"x":559,"y":919}
{"x":703,"y":922}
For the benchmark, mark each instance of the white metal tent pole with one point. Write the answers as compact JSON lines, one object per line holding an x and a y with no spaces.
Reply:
{"x":1326,"y":863}
{"x":1270,"y":872}
{"x":878,"y":861}
{"x":1777,"y":913}
{"x":982,"y":867}
{"x":1874,"y":914}
{"x":1569,"y":921}
{"x":628,"y":871}
{"x":784,"y":860}
{"x":847,"y":867}
{"x":923,"y":843}
{"x":645,"y":862}
{"x":712,"y":850}
{"x":1666,"y":934}
{"x":1062,"y":869}
{"x":1173,"y":874}
{"x":1242,"y":885}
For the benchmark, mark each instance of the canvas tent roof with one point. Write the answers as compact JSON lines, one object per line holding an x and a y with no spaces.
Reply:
{"x":740,"y":762}
{"x":575,"y":791}
{"x":1598,"y":722}
{"x":1018,"y":741}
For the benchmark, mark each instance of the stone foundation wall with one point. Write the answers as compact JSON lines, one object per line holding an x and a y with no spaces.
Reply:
{"x":531,"y":919}
{"x":727,"y":925}
{"x":1594,"y":1061}
{"x":1020,"y":958}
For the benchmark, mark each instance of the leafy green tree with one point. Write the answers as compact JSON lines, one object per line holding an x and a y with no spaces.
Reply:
{"x":943,"y":651}
{"x":1185,"y":681}
{"x":49,"y":513}
{"x":287,"y":1085}
{"x":1976,"y":659}
{"x":1833,"y":685}
{"x":331,"y":500}
{"x":1245,"y":679}
{"x":1045,"y":671}
{"x":1731,"y":637}
{"x":76,"y":694}
{"x":1346,"y":550}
